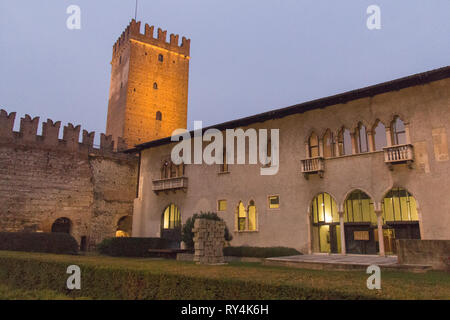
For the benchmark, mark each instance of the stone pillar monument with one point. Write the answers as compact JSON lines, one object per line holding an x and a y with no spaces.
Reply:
{"x":209,"y":238}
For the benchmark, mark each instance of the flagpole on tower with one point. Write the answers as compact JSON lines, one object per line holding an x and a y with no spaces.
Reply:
{"x":135,"y":11}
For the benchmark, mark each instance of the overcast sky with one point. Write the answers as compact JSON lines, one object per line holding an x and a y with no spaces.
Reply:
{"x":247,"y":56}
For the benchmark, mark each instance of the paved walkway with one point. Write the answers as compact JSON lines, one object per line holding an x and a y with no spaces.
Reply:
{"x":351,"y":259}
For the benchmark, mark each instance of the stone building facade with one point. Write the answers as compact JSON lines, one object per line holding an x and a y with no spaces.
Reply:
{"x":149,"y":85}
{"x":50,"y":184}
{"x":354,"y":168}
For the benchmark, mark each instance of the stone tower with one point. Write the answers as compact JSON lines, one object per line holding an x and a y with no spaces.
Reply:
{"x":148,"y":94}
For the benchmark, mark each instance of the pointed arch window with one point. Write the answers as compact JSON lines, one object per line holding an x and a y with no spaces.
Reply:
{"x":379,"y":136}
{"x":398,"y":132}
{"x":158,"y":116}
{"x":344,"y":142}
{"x":313,"y":143}
{"x":170,"y":170}
{"x":363,"y":145}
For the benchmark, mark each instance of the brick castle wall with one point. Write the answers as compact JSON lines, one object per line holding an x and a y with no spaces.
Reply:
{"x":43,"y":178}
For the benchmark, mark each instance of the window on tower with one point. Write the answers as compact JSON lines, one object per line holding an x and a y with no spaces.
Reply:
{"x":160,"y":58}
{"x":155,"y":85}
{"x":158,"y":115}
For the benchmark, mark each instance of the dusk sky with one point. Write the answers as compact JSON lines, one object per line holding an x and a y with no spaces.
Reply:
{"x":247,"y":56}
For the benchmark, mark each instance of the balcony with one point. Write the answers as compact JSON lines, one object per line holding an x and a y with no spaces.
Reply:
{"x":170,"y":184}
{"x":313,"y":166}
{"x":399,"y":154}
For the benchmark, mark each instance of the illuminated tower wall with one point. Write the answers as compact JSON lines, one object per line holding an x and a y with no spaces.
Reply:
{"x":148,"y":94}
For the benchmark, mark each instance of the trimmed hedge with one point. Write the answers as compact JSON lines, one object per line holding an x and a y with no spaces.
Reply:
{"x":259,"y":252}
{"x":38,"y":242}
{"x":103,"y":281}
{"x":134,"y":247}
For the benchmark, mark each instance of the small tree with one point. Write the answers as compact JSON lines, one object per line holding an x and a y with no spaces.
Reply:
{"x":187,"y":234}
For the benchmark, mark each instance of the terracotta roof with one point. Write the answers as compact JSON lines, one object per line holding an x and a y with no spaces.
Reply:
{"x":394,"y":85}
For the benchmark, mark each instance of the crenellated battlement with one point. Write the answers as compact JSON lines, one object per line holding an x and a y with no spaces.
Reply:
{"x":133,"y":31}
{"x":49,"y":139}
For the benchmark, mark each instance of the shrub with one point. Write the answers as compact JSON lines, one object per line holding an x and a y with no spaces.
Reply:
{"x":259,"y":252}
{"x":150,"y":281}
{"x":38,"y":242}
{"x":134,"y":247}
{"x":187,"y":234}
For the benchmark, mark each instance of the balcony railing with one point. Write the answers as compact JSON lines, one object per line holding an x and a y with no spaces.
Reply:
{"x":312,"y":166}
{"x":399,"y":154}
{"x":170,"y":184}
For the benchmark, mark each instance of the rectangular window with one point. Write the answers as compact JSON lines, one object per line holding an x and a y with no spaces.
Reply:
{"x":222,"y":205}
{"x":274,"y":202}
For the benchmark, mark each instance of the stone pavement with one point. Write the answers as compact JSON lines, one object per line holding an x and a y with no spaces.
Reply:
{"x":365,"y":260}
{"x":342,"y":262}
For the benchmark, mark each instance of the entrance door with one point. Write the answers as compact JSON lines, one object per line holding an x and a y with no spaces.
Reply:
{"x":171,"y":223}
{"x":359,"y":239}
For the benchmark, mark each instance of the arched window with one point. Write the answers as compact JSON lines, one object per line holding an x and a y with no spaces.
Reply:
{"x":160,"y":58}
{"x":241,"y":217}
{"x":170,"y":170}
{"x":398,"y":132}
{"x":171,"y":218}
{"x":325,"y":224}
{"x":158,"y":116}
{"x":313,"y":143}
{"x":344,"y":142}
{"x":362,"y":142}
{"x":401,"y":219}
{"x":399,"y":205}
{"x":63,"y":225}
{"x":359,"y":208}
{"x":155,"y":85}
{"x":328,"y":144}
{"x":165,"y":170}
{"x":252,"y":216}
{"x":124,"y":227}
{"x":379,"y":136}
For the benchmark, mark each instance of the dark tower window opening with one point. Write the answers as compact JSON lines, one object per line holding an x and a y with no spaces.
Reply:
{"x":158,"y":115}
{"x":155,"y":85}
{"x":160,"y":58}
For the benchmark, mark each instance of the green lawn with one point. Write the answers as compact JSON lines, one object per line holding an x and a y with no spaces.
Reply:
{"x":42,"y":276}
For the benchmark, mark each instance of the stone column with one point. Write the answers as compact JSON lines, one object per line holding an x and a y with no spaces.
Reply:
{"x":353,"y":139}
{"x":307,"y":155}
{"x":336,"y":146}
{"x":371,"y":141}
{"x":388,"y":137}
{"x":341,"y":224}
{"x":379,"y":214}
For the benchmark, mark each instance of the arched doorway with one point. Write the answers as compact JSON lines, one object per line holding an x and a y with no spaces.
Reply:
{"x":400,"y":218}
{"x":124,"y":227}
{"x":325,"y":224}
{"x":62,"y":225}
{"x":171,"y":223}
{"x":360,"y":224}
